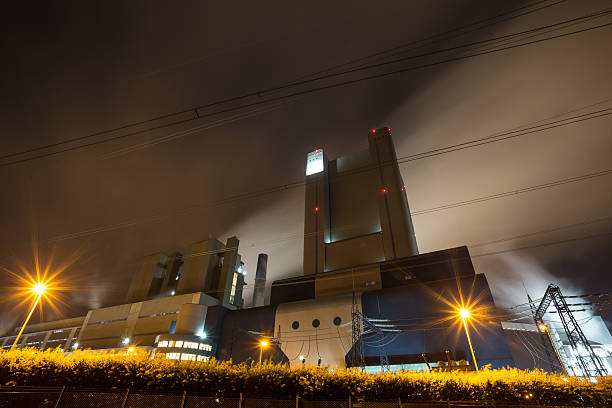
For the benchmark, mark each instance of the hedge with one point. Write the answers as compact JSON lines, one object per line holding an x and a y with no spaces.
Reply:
{"x":107,"y":370}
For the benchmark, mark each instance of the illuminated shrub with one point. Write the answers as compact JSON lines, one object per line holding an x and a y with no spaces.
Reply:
{"x":86,"y":369}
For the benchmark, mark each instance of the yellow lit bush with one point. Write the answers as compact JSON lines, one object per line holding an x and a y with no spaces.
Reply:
{"x":86,"y":369}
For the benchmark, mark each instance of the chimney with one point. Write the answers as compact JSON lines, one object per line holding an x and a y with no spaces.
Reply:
{"x":260,"y":280}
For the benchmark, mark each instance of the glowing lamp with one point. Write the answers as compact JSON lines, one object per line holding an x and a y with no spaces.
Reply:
{"x":384,"y":190}
{"x":39,"y":288}
{"x":464,"y":313}
{"x":264,"y":343}
{"x":373,"y":130}
{"x":542,"y":327}
{"x":316,"y":209}
{"x":126,"y":340}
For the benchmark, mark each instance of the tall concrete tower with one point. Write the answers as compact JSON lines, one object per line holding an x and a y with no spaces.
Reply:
{"x":260,"y":280}
{"x":356,"y":211}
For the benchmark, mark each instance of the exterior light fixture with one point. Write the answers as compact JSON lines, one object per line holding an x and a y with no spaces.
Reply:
{"x":201,"y":334}
{"x":373,"y":130}
{"x":172,"y":293}
{"x":39,"y":289}
{"x":262,"y":344}
{"x":384,"y":190}
{"x":125,"y":341}
{"x":316,"y":209}
{"x":465,"y":314}
{"x":75,"y":345}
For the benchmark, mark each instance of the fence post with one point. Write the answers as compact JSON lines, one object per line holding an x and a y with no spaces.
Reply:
{"x":125,"y":397}
{"x":350,"y":402}
{"x":399,"y":402}
{"x":59,"y":397}
{"x":297,"y":401}
{"x":240,"y":401}
{"x":183,"y":399}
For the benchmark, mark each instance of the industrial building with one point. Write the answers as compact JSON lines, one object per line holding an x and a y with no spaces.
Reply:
{"x":366,"y":296}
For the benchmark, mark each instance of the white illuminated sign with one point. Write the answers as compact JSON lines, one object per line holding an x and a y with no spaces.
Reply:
{"x":314,"y":162}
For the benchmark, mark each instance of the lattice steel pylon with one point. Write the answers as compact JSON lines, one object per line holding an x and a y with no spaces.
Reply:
{"x":357,"y":359}
{"x":587,"y":359}
{"x":544,"y":338}
{"x":364,"y":322}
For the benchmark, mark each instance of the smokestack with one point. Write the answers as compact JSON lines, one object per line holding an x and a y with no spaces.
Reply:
{"x":260,"y":280}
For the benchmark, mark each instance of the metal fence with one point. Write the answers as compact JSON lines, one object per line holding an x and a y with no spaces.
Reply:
{"x":44,"y":397}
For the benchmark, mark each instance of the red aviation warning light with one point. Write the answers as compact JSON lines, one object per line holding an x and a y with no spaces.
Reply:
{"x":373,"y":130}
{"x":316,"y":209}
{"x":384,"y":190}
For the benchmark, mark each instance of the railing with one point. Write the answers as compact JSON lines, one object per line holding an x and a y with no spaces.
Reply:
{"x":46,"y":397}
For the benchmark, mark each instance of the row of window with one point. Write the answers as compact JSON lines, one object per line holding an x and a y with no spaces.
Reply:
{"x":316,"y":323}
{"x":186,"y":356}
{"x":185,"y":344}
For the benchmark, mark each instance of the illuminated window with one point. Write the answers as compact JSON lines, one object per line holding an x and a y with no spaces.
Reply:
{"x":203,"y":358}
{"x":171,"y":343}
{"x":233,"y":291}
{"x":314,"y":162}
{"x":188,"y":356}
{"x":162,"y":344}
{"x":179,"y":343}
{"x":173,"y":356}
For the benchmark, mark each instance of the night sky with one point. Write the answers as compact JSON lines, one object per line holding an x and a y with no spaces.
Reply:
{"x":75,"y":68}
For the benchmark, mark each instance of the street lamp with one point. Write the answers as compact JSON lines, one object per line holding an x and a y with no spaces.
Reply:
{"x":465,"y":314}
{"x":262,"y":344}
{"x":39,"y":290}
{"x":544,"y":329}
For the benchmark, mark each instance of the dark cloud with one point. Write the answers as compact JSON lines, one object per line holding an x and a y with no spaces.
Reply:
{"x":76,"y":69}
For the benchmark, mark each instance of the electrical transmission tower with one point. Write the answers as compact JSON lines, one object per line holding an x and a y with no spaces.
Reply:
{"x":357,"y":359}
{"x":544,"y":338}
{"x":585,"y":356}
{"x":370,"y":327}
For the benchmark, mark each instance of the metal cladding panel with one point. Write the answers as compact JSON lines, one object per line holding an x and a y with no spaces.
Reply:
{"x":419,"y":311}
{"x":291,"y":290}
{"x":427,"y":267}
{"x":355,"y":251}
{"x":353,"y":189}
{"x":239,"y":336}
{"x":531,"y":350}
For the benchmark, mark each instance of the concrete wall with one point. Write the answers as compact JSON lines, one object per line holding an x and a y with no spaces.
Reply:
{"x":328,"y":341}
{"x":201,"y":269}
{"x":152,"y":267}
{"x":353,"y":188}
{"x":142,"y":321}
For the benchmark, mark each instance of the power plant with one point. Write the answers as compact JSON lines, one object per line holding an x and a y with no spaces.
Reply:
{"x":366,"y":298}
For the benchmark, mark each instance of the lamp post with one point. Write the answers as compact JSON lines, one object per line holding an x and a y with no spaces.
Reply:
{"x":544,"y":329}
{"x":262,"y":344}
{"x":465,"y":315}
{"x":39,"y":290}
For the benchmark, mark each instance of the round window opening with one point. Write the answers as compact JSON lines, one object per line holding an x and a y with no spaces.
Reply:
{"x":316,"y":323}
{"x":337,"y":320}
{"x":295,"y":325}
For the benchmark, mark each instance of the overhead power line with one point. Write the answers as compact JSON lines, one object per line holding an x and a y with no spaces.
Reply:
{"x":279,"y":188}
{"x":198,"y":115}
{"x":259,"y":93}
